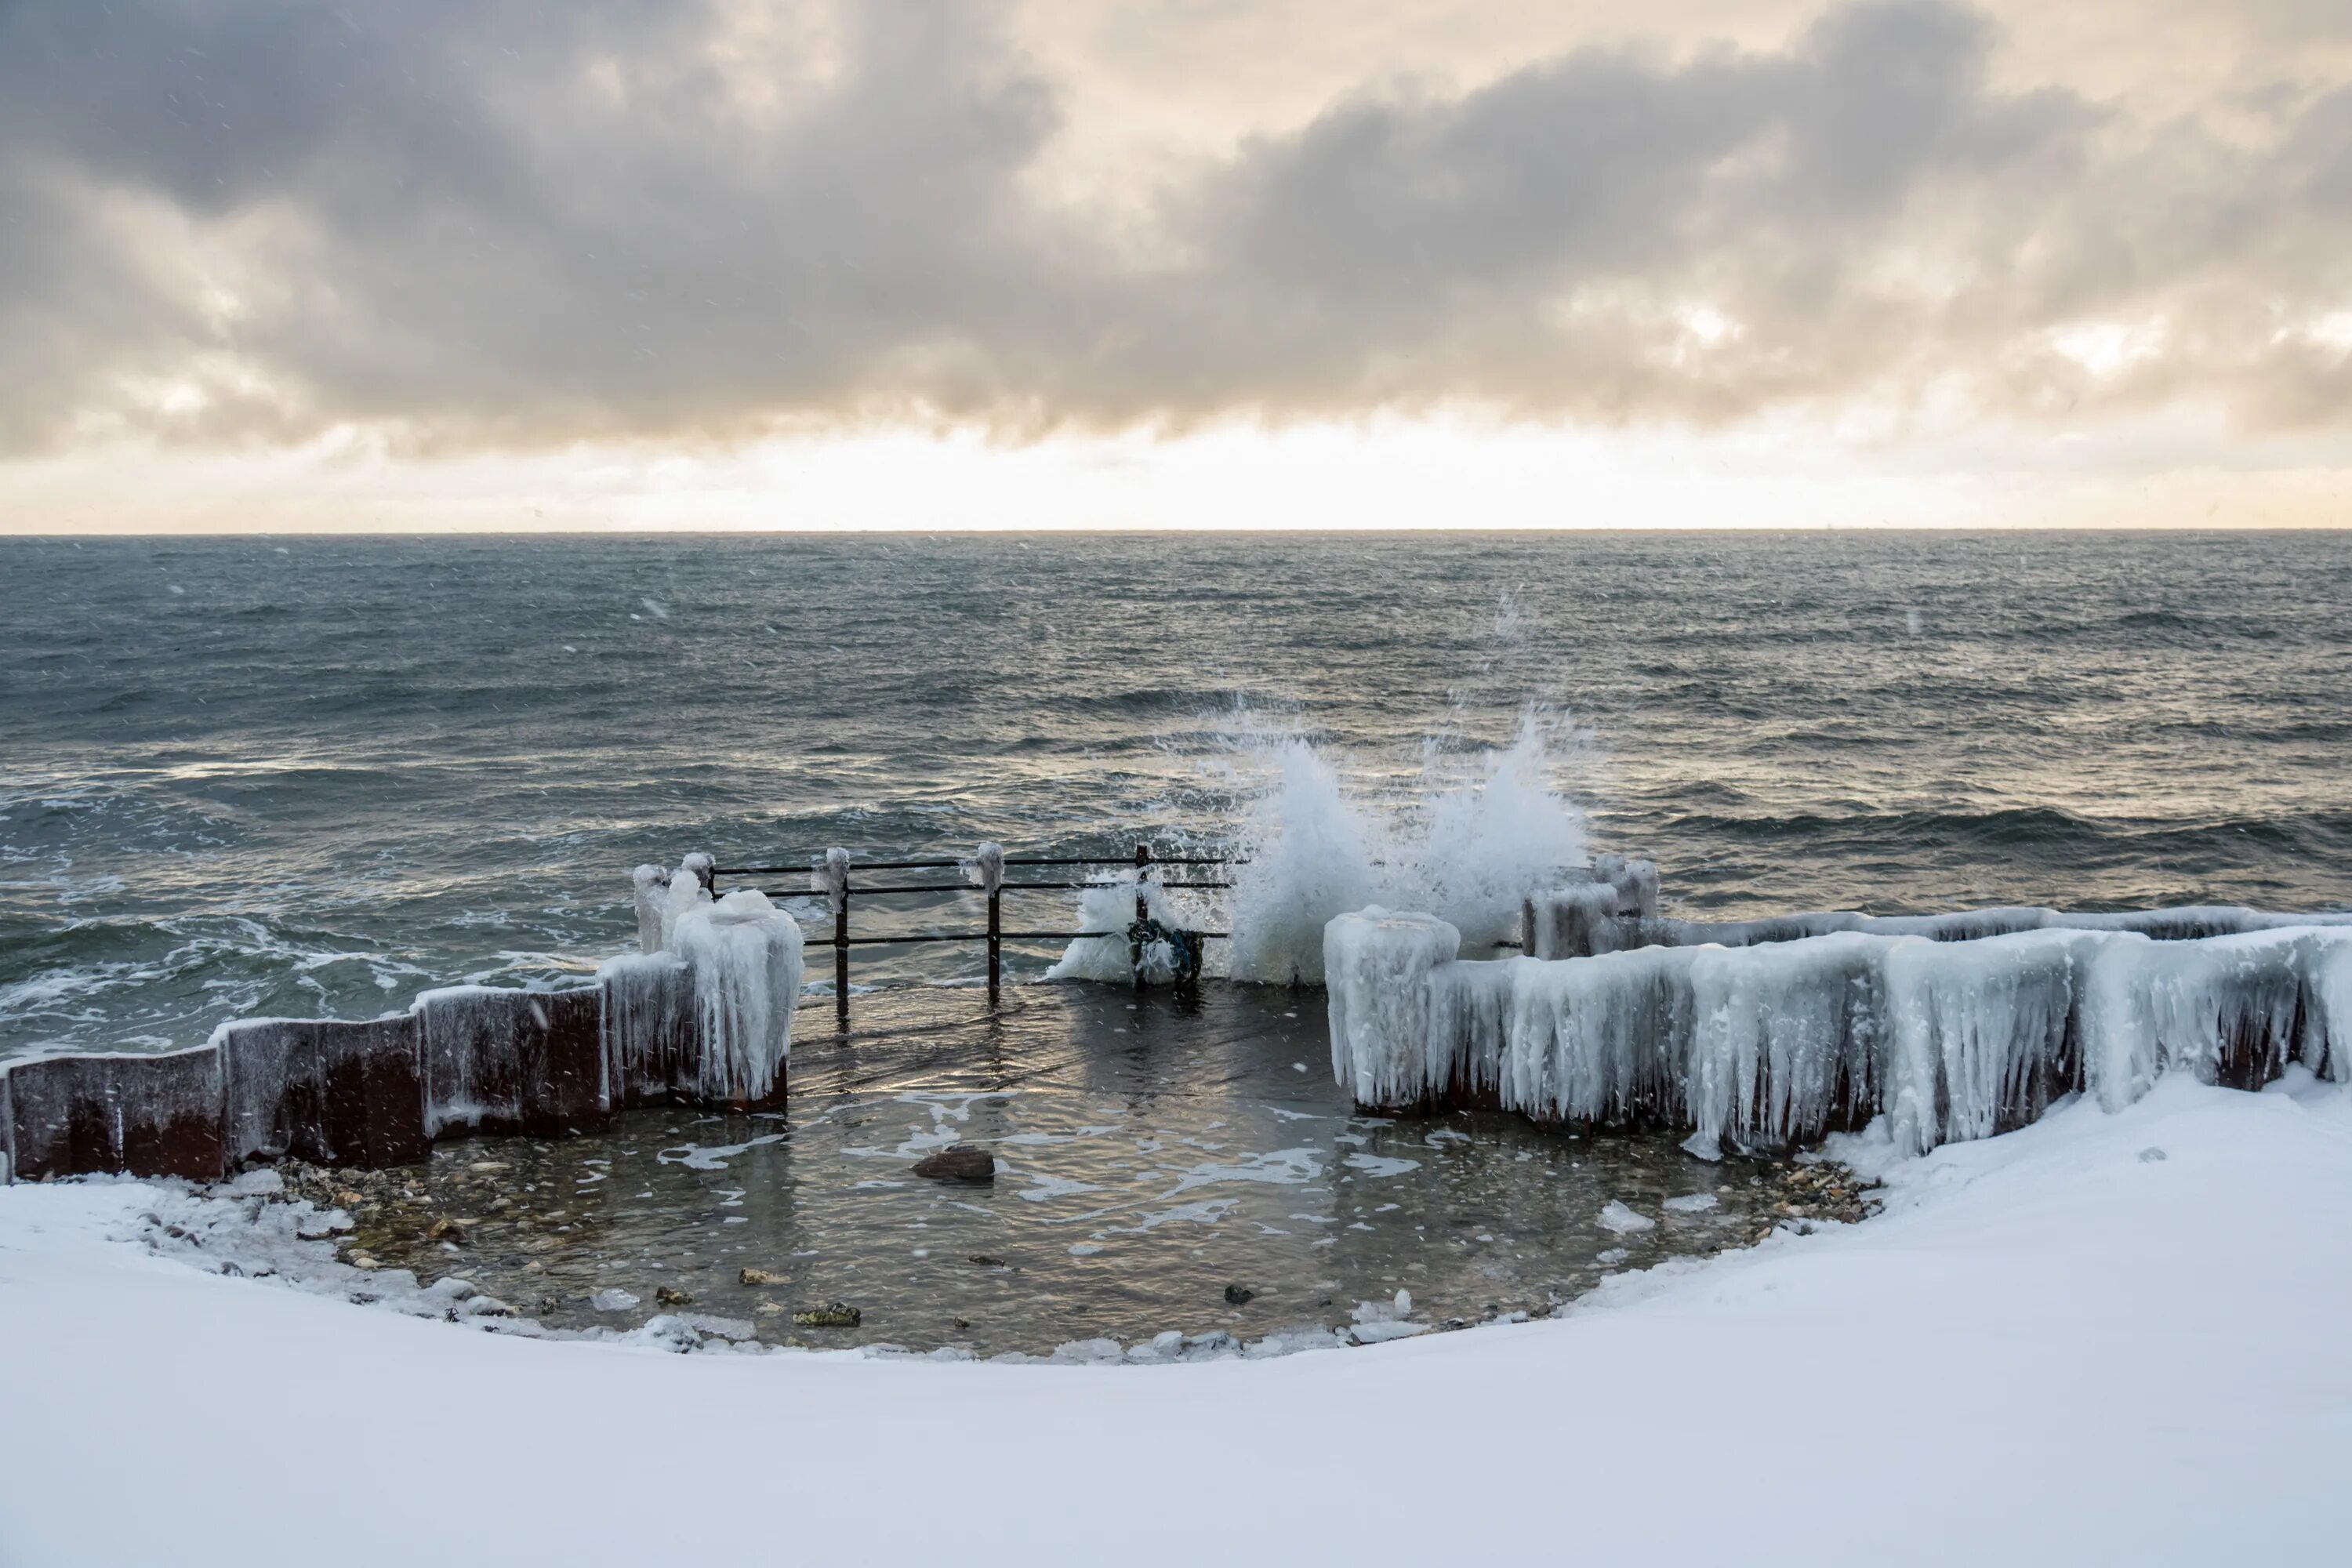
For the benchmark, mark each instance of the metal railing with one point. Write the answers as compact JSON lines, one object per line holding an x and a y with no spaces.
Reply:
{"x":994,"y":935}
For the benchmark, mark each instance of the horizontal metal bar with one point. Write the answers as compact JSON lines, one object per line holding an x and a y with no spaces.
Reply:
{"x":857,"y":865}
{"x":858,"y":892}
{"x":1126,"y":860}
{"x":1002,"y":936}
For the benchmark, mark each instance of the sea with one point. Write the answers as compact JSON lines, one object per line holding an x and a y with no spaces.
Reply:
{"x":313,"y":775}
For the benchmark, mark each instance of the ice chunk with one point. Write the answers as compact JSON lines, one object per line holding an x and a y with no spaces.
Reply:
{"x":1619,"y":1220}
{"x":1689,"y":1203}
{"x":1376,"y":973}
{"x":611,"y":1299}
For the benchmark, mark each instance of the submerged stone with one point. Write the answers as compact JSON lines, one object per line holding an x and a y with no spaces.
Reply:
{"x":962,"y":1163}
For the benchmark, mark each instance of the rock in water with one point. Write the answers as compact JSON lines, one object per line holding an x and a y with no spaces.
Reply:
{"x":760,"y":1277}
{"x":839,"y":1315}
{"x":964,"y":1162}
{"x":668,"y":1296}
{"x":1240,"y":1295}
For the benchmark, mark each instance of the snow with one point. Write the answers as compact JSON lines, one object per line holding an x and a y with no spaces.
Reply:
{"x":1784,"y":1041}
{"x":2104,"y":1338}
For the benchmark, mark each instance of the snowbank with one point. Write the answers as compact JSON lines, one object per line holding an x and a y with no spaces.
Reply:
{"x":2106,"y":1338}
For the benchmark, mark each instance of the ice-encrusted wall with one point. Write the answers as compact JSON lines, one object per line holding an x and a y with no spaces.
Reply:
{"x":708,"y":1014}
{"x":1782,"y":1041}
{"x":707,"y":1024}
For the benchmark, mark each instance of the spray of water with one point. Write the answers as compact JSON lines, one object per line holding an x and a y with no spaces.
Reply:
{"x":1465,"y":837}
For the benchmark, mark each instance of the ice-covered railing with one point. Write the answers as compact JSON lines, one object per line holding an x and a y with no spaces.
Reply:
{"x":1785,"y":1040}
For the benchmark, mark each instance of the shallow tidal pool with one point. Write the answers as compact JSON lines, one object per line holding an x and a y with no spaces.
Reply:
{"x":1161,"y":1163}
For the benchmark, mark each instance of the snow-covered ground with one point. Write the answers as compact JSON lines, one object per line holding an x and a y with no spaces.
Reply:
{"x":2119,"y":1338}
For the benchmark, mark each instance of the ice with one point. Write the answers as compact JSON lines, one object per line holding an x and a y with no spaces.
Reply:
{"x":1620,"y":1220}
{"x":746,"y":956}
{"x":649,"y":1023}
{"x":986,"y":867}
{"x":2188,"y":923}
{"x":652,"y":895}
{"x":687,"y":891}
{"x":1689,"y":1203}
{"x":829,"y":877}
{"x":611,"y":1299}
{"x":1574,"y":921}
{"x":1109,"y":905}
{"x":1376,"y":973}
{"x":1953,"y":1036}
{"x":470,"y":1051}
{"x":1785,"y":1038}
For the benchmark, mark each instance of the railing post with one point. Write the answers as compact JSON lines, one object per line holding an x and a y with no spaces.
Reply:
{"x":841,"y":954}
{"x":1142,"y":910}
{"x":995,"y":941}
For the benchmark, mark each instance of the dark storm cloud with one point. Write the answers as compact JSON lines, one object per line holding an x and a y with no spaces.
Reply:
{"x":520,"y":221}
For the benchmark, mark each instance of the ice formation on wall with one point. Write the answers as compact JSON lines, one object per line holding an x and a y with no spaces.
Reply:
{"x":1782,"y":1041}
{"x":652,"y":893}
{"x":1601,"y":911}
{"x":2181,"y":924}
{"x":1377,"y":967}
{"x":710,"y":1012}
{"x":746,"y":957}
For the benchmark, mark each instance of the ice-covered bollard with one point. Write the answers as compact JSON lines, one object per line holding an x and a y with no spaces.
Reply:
{"x":1574,"y":921}
{"x":746,"y":957}
{"x":986,"y":867}
{"x":652,"y":894}
{"x":1376,"y":972}
{"x":687,"y":891}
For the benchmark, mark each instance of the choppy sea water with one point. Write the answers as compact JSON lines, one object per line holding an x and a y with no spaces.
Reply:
{"x":313,"y":775}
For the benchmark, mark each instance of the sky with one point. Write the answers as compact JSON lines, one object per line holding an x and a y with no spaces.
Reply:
{"x":515,"y":264}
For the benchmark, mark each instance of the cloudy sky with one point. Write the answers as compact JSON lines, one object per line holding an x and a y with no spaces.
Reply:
{"x":793,"y":263}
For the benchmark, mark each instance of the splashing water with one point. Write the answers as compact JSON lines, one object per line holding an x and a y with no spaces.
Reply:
{"x":1464,"y":840}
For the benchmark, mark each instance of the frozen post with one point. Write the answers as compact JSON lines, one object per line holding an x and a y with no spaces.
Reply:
{"x":1143,"y":911}
{"x":831,"y":877}
{"x":1377,"y":968}
{"x":987,"y":867}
